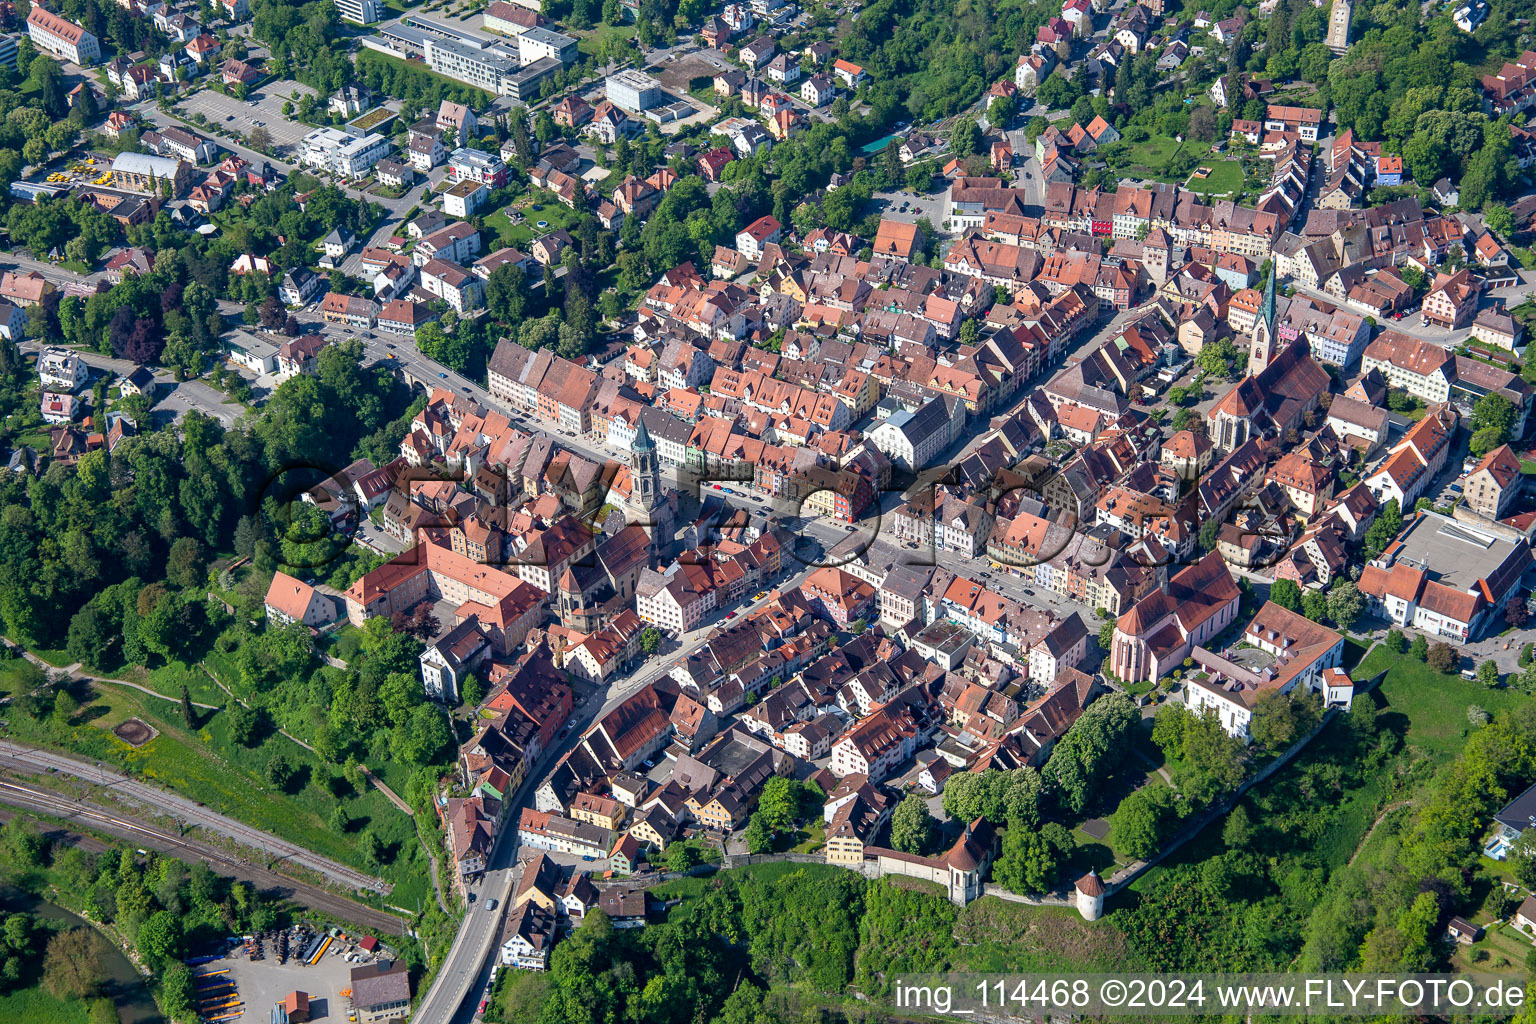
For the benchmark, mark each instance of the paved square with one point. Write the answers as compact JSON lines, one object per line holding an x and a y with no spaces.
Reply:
{"x":264,"y":105}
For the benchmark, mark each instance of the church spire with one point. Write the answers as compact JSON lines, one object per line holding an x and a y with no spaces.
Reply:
{"x":642,"y":442}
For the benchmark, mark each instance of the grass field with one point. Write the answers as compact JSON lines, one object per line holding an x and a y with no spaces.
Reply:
{"x":1434,"y":705}
{"x":1226,"y":178}
{"x":590,"y":42}
{"x":995,"y":935}
{"x":35,"y":1006}
{"x":209,"y":766}
{"x":507,"y":233}
{"x":1150,"y":158}
{"x":549,"y":210}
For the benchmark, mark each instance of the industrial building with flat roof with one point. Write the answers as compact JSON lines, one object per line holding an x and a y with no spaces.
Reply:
{"x":633,"y":90}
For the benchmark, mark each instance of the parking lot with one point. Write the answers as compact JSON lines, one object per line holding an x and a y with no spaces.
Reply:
{"x":264,"y":983}
{"x":265,"y":105}
{"x":918,"y":207}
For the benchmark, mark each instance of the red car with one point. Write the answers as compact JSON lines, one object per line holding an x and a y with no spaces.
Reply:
{"x":482,"y":1005}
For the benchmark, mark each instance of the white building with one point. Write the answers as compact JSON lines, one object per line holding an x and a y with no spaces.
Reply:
{"x":59,"y":369}
{"x":62,"y":38}
{"x":633,"y":90}
{"x":290,"y":600}
{"x":539,"y":43}
{"x":1303,"y":652}
{"x":464,"y":198}
{"x":59,"y":407}
{"x":485,"y":67}
{"x":912,"y":440}
{"x":453,"y":284}
{"x":360,"y":12}
{"x":344,"y":152}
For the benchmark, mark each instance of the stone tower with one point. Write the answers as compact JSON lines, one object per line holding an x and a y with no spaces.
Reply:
{"x":1090,"y":896}
{"x":1262,"y":351}
{"x":1338,"y":26}
{"x":647,"y":505}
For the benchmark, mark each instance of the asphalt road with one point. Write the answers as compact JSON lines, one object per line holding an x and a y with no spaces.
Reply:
{"x":115,"y":823}
{"x":30,"y":760}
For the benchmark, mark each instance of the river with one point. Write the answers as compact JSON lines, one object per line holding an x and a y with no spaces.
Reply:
{"x":122,"y":982}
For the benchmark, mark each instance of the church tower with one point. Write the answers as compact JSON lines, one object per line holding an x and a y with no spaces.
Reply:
{"x":1338,"y":26}
{"x":647,"y":505}
{"x":1262,"y":351}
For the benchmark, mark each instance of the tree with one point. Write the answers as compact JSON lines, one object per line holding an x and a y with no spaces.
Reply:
{"x":681,"y":856}
{"x":244,"y":724}
{"x":1442,"y":658}
{"x":1521,"y":858}
{"x":160,"y":939}
{"x":1488,"y":674}
{"x":1499,"y":220}
{"x":1485,"y":440}
{"x":1388,"y":521}
{"x":912,"y":827}
{"x":259,"y":139}
{"x":758,"y":837}
{"x":965,"y":140}
{"x":473,"y":691}
{"x":340,"y":821}
{"x":1314,"y":605}
{"x":1209,"y":530}
{"x":779,"y":804}
{"x":1395,"y":641}
{"x":1106,"y":634}
{"x":1138,"y":823}
{"x":71,"y":964}
{"x":1094,"y":745}
{"x":650,"y":640}
{"x":1362,"y":715}
{"x":1031,"y":860}
{"x":280,"y":771}
{"x":1344,"y":603}
{"x":1238,"y":830}
{"x":1419,"y":648}
{"x":1273,"y":725}
{"x":187,"y":714}
{"x":1286,"y":594}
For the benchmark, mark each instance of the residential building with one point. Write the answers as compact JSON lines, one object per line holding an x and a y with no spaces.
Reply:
{"x":348,"y":152}
{"x":453,"y":284}
{"x":1299,"y":653}
{"x":763,"y":231}
{"x":360,"y":12}
{"x":290,"y":600}
{"x":62,"y":38}
{"x":1493,"y":483}
{"x":59,"y":369}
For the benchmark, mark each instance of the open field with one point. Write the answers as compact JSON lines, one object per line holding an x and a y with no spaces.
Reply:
{"x":1226,"y":178}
